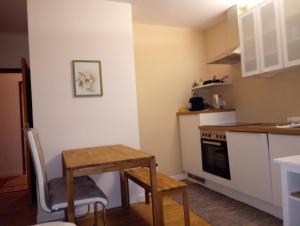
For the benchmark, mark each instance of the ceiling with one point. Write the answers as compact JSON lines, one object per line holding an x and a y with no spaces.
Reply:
{"x":13,"y":16}
{"x":184,"y":13}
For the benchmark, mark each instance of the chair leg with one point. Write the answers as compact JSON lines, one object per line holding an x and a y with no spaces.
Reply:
{"x":186,"y":211}
{"x":96,"y":220}
{"x":96,"y":212}
{"x":103,"y":214}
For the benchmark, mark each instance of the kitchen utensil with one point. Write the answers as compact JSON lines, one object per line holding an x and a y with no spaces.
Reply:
{"x":196,"y":102}
{"x":218,"y":101}
{"x":215,"y":80}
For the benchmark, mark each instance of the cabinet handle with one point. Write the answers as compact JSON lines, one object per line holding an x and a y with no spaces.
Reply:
{"x":211,"y":142}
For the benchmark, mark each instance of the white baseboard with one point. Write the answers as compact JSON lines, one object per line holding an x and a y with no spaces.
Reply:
{"x":182,"y":176}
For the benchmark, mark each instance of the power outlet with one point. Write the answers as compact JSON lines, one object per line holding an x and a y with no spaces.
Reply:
{"x":294,"y":119}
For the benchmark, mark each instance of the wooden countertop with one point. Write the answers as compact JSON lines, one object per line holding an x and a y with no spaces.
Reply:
{"x":254,"y":128}
{"x":203,"y":111}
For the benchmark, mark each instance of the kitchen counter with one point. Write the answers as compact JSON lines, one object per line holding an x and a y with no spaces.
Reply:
{"x":204,"y":111}
{"x":254,"y":128}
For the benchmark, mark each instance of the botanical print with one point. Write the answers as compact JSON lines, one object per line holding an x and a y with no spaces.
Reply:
{"x":87,"y":78}
{"x":86,"y":81}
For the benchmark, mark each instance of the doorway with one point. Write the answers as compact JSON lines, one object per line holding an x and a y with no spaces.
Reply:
{"x":13,"y":162}
{"x":16,"y":166}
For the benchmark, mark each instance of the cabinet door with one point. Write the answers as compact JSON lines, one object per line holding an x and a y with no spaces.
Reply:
{"x":290,"y":23}
{"x":250,"y":164}
{"x":281,"y":146}
{"x":270,"y":37}
{"x":190,"y":144}
{"x":249,"y":43}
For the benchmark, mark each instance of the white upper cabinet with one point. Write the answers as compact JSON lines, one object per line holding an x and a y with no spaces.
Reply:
{"x":261,"y":39}
{"x":290,"y":23}
{"x":249,"y":43}
{"x":269,"y":36}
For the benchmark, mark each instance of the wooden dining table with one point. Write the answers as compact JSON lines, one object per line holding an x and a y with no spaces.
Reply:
{"x":94,"y":160}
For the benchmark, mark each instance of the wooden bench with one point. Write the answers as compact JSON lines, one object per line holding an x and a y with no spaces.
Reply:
{"x":165,"y":186}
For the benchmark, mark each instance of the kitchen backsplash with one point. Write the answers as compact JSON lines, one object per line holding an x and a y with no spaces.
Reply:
{"x":259,"y":99}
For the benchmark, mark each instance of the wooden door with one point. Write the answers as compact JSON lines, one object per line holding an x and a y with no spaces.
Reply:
{"x":27,"y":122}
{"x":12,"y":170}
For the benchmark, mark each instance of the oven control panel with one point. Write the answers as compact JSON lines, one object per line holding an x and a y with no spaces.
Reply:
{"x":213,"y":135}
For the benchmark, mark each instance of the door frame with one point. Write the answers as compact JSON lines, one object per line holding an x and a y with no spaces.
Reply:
{"x":28,"y":123}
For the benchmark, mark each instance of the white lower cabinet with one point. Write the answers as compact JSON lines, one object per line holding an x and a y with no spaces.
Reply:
{"x":250,"y":164}
{"x":190,"y":137}
{"x":281,"y":146}
{"x":190,"y":144}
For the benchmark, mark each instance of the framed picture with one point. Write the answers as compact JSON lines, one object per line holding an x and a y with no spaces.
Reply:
{"x":87,"y":78}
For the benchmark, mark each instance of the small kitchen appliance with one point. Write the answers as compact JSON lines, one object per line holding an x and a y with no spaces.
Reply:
{"x":218,"y":101}
{"x":197,"y":103}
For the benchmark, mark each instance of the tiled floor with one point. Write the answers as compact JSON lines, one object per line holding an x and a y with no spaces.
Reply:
{"x":220,"y":210}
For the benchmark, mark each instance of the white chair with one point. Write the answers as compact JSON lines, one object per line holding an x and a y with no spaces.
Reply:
{"x":53,"y":193}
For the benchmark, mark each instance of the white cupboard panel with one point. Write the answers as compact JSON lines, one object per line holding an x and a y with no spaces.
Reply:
{"x":249,"y":164}
{"x":190,"y":144}
{"x":290,"y":23}
{"x":281,"y":146}
{"x":249,"y":43}
{"x":269,"y":32}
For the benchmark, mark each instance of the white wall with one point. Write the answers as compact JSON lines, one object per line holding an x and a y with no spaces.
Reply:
{"x":13,"y":47}
{"x":87,"y":30}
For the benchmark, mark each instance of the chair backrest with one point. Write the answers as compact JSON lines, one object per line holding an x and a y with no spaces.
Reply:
{"x":40,"y":169}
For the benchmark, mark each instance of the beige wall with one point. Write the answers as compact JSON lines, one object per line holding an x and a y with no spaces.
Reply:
{"x":217,"y":39}
{"x":167,"y":59}
{"x":11,"y":161}
{"x":256,"y":99}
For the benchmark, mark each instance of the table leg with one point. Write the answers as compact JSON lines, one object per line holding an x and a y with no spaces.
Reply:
{"x":70,"y":193}
{"x":157,"y":218}
{"x":124,"y":189}
{"x":64,"y":174}
{"x":186,"y":208}
{"x":161,"y":209}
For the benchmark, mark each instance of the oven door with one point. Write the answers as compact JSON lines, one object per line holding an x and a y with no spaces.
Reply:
{"x":215,"y":157}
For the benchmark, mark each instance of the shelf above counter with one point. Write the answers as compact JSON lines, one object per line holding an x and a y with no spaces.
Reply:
{"x":211,"y":85}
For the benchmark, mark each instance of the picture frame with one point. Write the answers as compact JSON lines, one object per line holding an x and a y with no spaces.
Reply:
{"x":87,"y":78}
